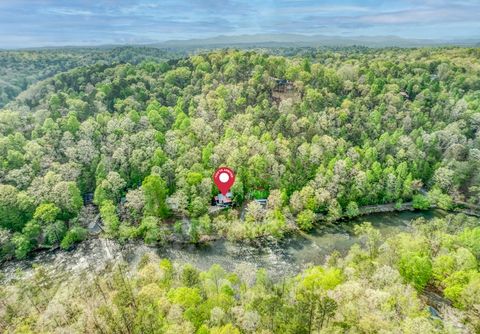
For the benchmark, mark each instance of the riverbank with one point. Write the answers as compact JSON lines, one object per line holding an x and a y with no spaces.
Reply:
{"x":473,"y":211}
{"x":95,"y":227}
{"x":289,"y":255}
{"x":283,"y":258}
{"x":371,"y":209}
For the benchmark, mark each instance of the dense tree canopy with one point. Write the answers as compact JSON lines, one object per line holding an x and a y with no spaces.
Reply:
{"x":350,"y":129}
{"x":376,"y":287}
{"x":20,"y":69}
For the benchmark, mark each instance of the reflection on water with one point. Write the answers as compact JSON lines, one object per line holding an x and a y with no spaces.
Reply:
{"x":285,"y":257}
{"x":314,"y":247}
{"x":292,"y":254}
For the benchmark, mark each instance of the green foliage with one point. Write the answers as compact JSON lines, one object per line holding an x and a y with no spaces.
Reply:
{"x":259,"y":194}
{"x":155,"y":192}
{"x":186,"y":297}
{"x":334,"y":211}
{"x":110,"y":219}
{"x":415,"y":269}
{"x":73,"y":236}
{"x":362,"y":293}
{"x":457,"y":287}
{"x":190,"y":276}
{"x":69,"y":199}
{"x":178,"y":227}
{"x":352,"y":210}
{"x":443,"y":201}
{"x":13,"y":215}
{"x":178,"y":77}
{"x":194,"y":178}
{"x":319,"y":278}
{"x":198,"y":207}
{"x":128,"y":232}
{"x":421,"y":202}
{"x":149,"y":230}
{"x":305,"y":219}
{"x":24,"y":68}
{"x":71,"y":124}
{"x":22,"y":244}
{"x":159,"y":157}
{"x":32,"y":230}
{"x":358,"y":128}
{"x":369,"y":236}
{"x":46,"y":213}
{"x":470,"y":239}
{"x":55,"y":232}
{"x":205,"y":224}
{"x":443,"y":266}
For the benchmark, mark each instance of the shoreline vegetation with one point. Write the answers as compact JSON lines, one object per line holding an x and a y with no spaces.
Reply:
{"x":319,"y":221}
{"x":429,"y":273}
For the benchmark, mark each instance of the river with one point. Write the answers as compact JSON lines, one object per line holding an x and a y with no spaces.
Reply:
{"x":280,"y":258}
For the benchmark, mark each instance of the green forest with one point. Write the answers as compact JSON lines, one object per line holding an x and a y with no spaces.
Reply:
{"x":375,"y":288}
{"x":323,"y":135}
{"x":348,"y":129}
{"x":20,"y":69}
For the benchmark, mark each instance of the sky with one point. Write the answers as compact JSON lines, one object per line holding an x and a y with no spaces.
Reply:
{"x":33,"y":23}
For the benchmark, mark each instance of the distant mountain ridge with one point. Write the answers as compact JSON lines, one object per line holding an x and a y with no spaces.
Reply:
{"x":278,"y":40}
{"x":298,"y":40}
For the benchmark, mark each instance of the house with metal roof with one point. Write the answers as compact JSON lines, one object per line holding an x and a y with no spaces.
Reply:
{"x":222,"y":200}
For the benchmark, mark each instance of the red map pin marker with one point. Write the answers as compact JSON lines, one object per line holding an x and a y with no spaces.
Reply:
{"x":224,"y":179}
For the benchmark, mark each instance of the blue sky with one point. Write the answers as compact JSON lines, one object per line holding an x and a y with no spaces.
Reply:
{"x":27,"y":23}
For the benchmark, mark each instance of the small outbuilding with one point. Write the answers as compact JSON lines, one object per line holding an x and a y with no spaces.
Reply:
{"x":262,"y":201}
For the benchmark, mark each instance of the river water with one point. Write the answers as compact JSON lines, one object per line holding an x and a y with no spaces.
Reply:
{"x":282,"y":258}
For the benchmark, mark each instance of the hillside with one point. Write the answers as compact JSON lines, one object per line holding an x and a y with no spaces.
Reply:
{"x":20,"y":69}
{"x":349,"y":130}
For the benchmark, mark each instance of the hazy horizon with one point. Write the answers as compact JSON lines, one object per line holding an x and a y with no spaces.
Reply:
{"x":45,"y":23}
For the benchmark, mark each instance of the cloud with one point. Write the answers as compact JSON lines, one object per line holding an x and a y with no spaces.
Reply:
{"x":295,"y":10}
{"x":66,"y":11}
{"x":444,"y":15}
{"x":53,"y":22}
